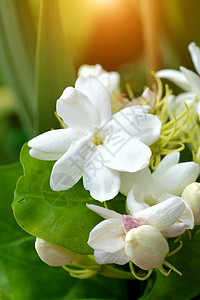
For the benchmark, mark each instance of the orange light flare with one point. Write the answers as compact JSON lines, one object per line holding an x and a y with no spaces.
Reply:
{"x":102,"y":31}
{"x":117,"y":33}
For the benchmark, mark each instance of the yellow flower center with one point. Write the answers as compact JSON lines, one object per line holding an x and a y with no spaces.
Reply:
{"x":97,"y":140}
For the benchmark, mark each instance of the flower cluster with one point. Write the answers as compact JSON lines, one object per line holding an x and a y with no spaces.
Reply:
{"x":112,"y":150}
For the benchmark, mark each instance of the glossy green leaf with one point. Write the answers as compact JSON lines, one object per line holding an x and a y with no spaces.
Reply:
{"x":54,"y":69}
{"x":175,"y":286}
{"x":17,"y":52}
{"x":58,"y":217}
{"x":23,"y":276}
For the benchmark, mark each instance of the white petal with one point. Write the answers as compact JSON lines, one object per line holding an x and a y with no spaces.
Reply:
{"x":127,"y":182}
{"x":102,"y":182}
{"x":77,"y":111}
{"x":187,"y":217}
{"x":146,"y":247}
{"x":136,"y":123}
{"x":123,"y":153}
{"x":176,"y":103}
{"x":175,"y":179}
{"x":44,"y":155}
{"x":68,"y":169}
{"x":134,"y":201}
{"x":175,"y":230}
{"x":86,"y":70}
{"x":195,"y":53}
{"x":164,"y":214}
{"x":167,"y":162}
{"x":143,"y":178}
{"x":107,"y":236}
{"x":119,"y":257}
{"x":176,"y":77}
{"x":104,"y":212}
{"x":111,"y":81}
{"x":193,"y":80}
{"x":191,"y":195}
{"x":52,"y":254}
{"x":54,"y":141}
{"x":96,"y":92}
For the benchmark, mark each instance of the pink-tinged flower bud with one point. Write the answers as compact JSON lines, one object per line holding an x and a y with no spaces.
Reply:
{"x":191,"y":195}
{"x":52,"y":254}
{"x":146,"y":247}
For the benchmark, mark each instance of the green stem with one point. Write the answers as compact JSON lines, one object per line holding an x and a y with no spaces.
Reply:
{"x":112,"y":272}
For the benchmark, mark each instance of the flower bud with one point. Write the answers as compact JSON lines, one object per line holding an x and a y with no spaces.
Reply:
{"x":146,"y":247}
{"x":191,"y":195}
{"x":52,"y":254}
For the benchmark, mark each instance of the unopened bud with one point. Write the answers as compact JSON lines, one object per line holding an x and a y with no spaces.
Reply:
{"x":52,"y":254}
{"x":191,"y":195}
{"x":146,"y":247}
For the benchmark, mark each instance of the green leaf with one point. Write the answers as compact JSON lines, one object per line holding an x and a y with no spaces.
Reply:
{"x":23,"y":276}
{"x":58,"y":217}
{"x":175,"y":286}
{"x":17,"y":52}
{"x":54,"y":69}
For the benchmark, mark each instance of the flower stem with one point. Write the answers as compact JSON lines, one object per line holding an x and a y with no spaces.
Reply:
{"x":112,"y":272}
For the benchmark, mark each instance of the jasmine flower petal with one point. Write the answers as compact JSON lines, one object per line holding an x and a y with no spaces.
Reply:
{"x":164,"y":214}
{"x":44,"y":155}
{"x":133,"y":205}
{"x":192,"y":78}
{"x":77,"y":111}
{"x":195,"y":54}
{"x":187,"y":217}
{"x":119,"y":257}
{"x":107,"y":236}
{"x":136,"y":123}
{"x":176,"y":178}
{"x":175,"y":230}
{"x":99,"y":97}
{"x":104,"y":213}
{"x":176,"y":77}
{"x":111,"y":81}
{"x":54,"y":141}
{"x":125,"y":153}
{"x":167,"y":162}
{"x":142,"y":178}
{"x":68,"y":169}
{"x":102,"y":182}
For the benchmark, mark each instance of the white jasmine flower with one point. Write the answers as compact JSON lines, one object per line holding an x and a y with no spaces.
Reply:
{"x":186,"y":80}
{"x":144,"y":189}
{"x":191,"y":195}
{"x":95,"y":145}
{"x":139,"y":237}
{"x":52,"y":254}
{"x":110,"y":80}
